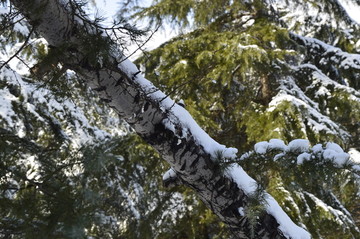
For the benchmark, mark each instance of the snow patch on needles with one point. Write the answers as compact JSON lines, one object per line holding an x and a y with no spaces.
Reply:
{"x":273,"y":144}
{"x":355,"y":159}
{"x":336,"y":154}
{"x":344,"y":215}
{"x":308,"y":110}
{"x":80,"y":130}
{"x":277,"y":144}
{"x":303,"y":157}
{"x":249,"y":185}
{"x":343,"y":59}
{"x":298,"y":145}
{"x":261,"y":147}
{"x":178,"y":117}
{"x":354,"y":155}
{"x":331,"y":152}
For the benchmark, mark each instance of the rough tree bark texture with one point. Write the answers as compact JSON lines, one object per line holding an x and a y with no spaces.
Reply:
{"x":55,"y":21}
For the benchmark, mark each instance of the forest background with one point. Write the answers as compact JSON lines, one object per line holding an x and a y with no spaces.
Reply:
{"x":249,"y":72}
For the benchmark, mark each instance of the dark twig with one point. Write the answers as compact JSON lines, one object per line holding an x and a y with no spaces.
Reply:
{"x":18,"y":51}
{"x":140,"y":46}
{"x":176,"y":88}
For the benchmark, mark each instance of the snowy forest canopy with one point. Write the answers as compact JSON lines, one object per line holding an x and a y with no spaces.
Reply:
{"x":278,"y":80}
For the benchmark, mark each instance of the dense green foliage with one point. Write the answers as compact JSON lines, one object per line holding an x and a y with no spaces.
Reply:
{"x":69,"y":168}
{"x":247,"y":74}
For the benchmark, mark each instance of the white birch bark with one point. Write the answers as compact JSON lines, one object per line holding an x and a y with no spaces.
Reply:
{"x":158,"y":120}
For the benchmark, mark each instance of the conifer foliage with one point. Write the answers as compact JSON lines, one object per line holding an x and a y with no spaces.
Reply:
{"x":248,"y":71}
{"x":258,"y":70}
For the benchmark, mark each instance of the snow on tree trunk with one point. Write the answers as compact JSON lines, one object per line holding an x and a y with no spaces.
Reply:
{"x":165,"y":125}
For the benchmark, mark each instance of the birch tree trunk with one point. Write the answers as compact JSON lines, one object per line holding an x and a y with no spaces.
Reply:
{"x":157,"y":119}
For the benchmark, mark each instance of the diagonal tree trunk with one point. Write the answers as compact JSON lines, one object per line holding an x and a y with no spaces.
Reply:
{"x":162,"y":123}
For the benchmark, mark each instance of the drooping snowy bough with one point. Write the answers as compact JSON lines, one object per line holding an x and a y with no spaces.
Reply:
{"x":165,"y":125}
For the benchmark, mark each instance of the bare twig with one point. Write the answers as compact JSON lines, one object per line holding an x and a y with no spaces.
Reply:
{"x":19,"y":50}
{"x":140,"y":46}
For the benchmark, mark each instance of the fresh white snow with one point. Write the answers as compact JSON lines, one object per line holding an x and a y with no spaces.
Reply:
{"x":331,"y":152}
{"x":169,"y":174}
{"x":299,"y":145}
{"x":177,"y":115}
{"x":249,"y":185}
{"x":303,"y":157}
{"x":334,"y":153}
{"x":352,"y":9}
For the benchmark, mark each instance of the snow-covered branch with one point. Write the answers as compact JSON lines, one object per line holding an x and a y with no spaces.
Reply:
{"x":329,"y":54}
{"x":167,"y":126}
